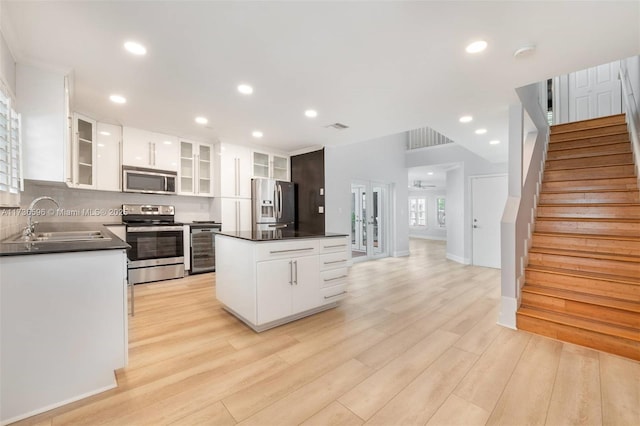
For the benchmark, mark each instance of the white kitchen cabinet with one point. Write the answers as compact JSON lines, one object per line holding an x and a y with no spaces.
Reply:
{"x":142,"y":148}
{"x":83,"y":152}
{"x":94,"y":154}
{"x":286,"y":287}
{"x":64,"y":328}
{"x":233,"y":168}
{"x":269,"y":283}
{"x":233,"y":213}
{"x":196,"y":169}
{"x":108,"y":165}
{"x":265,"y":165}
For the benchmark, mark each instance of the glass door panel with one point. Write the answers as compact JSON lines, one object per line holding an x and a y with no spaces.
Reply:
{"x":369,"y":210}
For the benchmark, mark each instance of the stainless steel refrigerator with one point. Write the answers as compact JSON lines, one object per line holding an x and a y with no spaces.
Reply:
{"x":273,"y":204}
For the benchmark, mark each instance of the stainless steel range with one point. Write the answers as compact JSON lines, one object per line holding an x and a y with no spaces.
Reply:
{"x":156,"y":240}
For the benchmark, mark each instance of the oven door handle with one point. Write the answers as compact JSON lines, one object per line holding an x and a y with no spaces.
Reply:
{"x":154,"y":228}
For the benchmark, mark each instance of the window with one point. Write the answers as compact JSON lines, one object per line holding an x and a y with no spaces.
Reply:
{"x":440,"y":212}
{"x":10,"y":154}
{"x":417,"y":211}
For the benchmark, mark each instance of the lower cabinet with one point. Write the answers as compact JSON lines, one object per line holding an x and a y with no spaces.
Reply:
{"x":286,"y":287}
{"x":269,"y":283}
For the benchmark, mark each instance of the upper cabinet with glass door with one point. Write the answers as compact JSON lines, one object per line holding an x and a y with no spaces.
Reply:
{"x":270,"y":166}
{"x":196,"y":169}
{"x":83,"y":152}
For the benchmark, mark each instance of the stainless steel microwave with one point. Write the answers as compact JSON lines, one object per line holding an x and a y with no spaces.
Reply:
{"x":148,"y":181}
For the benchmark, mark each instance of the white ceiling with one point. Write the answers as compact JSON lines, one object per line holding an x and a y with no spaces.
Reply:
{"x":378,"y":67}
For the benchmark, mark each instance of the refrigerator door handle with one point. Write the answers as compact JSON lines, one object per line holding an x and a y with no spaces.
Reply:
{"x":279,"y":201}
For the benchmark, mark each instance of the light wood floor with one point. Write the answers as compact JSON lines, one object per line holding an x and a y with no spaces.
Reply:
{"x":416,"y":342}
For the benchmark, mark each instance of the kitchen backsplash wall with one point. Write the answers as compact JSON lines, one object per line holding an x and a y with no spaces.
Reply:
{"x":95,"y":206}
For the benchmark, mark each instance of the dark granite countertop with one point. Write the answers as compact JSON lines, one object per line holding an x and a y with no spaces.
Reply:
{"x":276,"y":235}
{"x":18,"y":249}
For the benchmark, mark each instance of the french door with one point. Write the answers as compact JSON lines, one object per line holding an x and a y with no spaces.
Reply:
{"x":369,"y":223}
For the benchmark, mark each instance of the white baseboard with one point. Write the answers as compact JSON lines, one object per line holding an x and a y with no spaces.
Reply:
{"x":508,"y":308}
{"x":427,"y":237}
{"x":458,"y":259}
{"x":402,"y":253}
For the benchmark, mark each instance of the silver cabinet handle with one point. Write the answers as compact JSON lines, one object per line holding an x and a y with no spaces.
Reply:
{"x":335,"y":295}
{"x":336,"y":278}
{"x":290,"y":272}
{"x":337,"y":245}
{"x":295,"y":264}
{"x":335,"y":261}
{"x":150,"y":162}
{"x":290,"y":250}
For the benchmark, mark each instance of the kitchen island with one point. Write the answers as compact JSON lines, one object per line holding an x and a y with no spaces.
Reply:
{"x":269,"y":278}
{"x":63,"y":317}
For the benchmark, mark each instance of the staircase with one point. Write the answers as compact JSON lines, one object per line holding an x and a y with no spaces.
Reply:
{"x":582,"y":284}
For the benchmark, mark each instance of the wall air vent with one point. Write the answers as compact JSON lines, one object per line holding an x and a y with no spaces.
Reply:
{"x":338,"y":126}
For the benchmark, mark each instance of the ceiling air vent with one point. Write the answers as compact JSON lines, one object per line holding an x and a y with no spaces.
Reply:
{"x":338,"y":126}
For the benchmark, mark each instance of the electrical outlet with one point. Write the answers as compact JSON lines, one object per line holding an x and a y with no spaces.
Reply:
{"x":321,"y":209}
{"x":321,"y":191}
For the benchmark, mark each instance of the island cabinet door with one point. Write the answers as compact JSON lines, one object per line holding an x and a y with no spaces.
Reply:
{"x":306,"y":283}
{"x":274,"y":290}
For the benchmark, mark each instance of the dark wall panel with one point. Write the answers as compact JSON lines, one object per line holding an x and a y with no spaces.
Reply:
{"x":307,"y":171}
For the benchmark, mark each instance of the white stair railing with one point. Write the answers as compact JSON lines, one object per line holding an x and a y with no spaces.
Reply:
{"x":632,"y":115}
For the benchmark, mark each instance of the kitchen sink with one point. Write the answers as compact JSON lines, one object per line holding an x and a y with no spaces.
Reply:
{"x":59,"y":237}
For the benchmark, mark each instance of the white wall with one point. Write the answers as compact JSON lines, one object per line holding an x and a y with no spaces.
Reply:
{"x":458,"y":190}
{"x":380,"y":160}
{"x":433,"y":230}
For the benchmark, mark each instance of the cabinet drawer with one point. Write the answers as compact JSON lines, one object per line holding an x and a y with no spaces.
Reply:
{"x":330,"y":245}
{"x":279,"y":250}
{"x":333,"y":260}
{"x":334,"y":277}
{"x":333,"y":293}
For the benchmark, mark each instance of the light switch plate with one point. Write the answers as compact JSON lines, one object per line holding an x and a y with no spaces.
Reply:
{"x":321,"y":209}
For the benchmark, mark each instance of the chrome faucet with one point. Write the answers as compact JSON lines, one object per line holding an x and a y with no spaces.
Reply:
{"x":31,"y":226}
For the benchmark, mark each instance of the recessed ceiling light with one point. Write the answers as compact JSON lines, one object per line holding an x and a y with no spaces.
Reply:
{"x":476,"y":46}
{"x":103,"y":133}
{"x":201,"y":120}
{"x":465,"y":119}
{"x":430,"y":173}
{"x":496,"y":142}
{"x":481,"y":131}
{"x":245,"y":89}
{"x":135,"y":48}
{"x":101,"y":145}
{"x":118,"y":99}
{"x":167,"y":142}
{"x":256,"y":134}
{"x":311,"y":113}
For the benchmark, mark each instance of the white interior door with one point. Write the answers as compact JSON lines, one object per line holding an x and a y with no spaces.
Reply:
{"x":369,"y":212}
{"x":489,"y":198}
{"x":595,"y":92}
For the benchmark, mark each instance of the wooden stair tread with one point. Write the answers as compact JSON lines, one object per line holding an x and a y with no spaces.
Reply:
{"x":589,"y":166}
{"x":591,"y":236}
{"x":613,"y":132}
{"x":591,"y":205}
{"x":589,"y":254}
{"x":611,"y":302}
{"x":589,"y":123}
{"x":580,"y":191}
{"x":585,"y":324}
{"x":584,"y":274}
{"x":586,"y":219}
